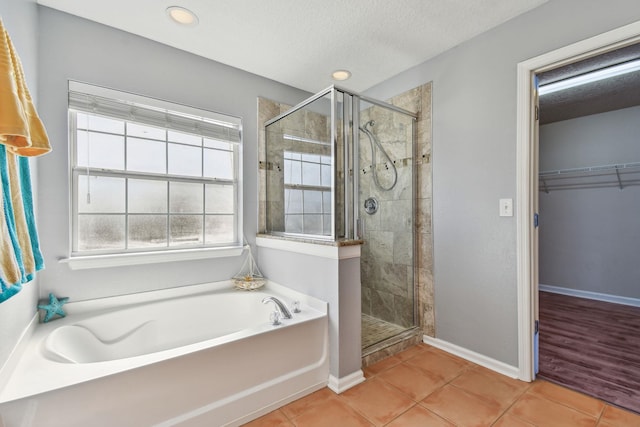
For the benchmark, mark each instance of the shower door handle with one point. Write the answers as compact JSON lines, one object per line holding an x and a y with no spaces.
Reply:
{"x":360,"y":228}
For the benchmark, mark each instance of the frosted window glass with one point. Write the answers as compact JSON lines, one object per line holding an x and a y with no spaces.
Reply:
{"x":185,"y":160}
{"x":326,"y":225}
{"x":147,"y":132}
{"x":184,"y":138}
{"x":311,"y":174}
{"x":325,"y":178}
{"x":147,"y":196}
{"x":292,"y":172}
{"x":314,"y":158}
{"x":218,"y":164}
{"x":292,"y":201}
{"x":293,"y":224}
{"x":221,"y":145}
{"x":312,"y":202}
{"x":99,"y":150}
{"x":101,"y":124}
{"x":219,"y":229}
{"x":186,"y":197}
{"x":313,"y":224}
{"x":219,"y":199}
{"x":144,"y":155}
{"x":100,"y":232}
{"x":147,"y":231}
{"x":185,"y":230}
{"x":99,"y":194}
{"x":326,"y":201}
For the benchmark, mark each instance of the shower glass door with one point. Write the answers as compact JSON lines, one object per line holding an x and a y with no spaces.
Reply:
{"x":386,"y":195}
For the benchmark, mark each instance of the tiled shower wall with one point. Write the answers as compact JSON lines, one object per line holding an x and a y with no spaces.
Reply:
{"x":387,"y":291}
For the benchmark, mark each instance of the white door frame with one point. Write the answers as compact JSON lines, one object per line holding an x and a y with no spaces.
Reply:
{"x":525,"y":152}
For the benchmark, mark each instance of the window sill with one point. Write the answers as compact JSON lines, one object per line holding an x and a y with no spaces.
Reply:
{"x":119,"y":260}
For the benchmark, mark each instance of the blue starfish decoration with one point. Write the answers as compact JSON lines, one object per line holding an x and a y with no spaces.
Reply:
{"x":54,"y":307}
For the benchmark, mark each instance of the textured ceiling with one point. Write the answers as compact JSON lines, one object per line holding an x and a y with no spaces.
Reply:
{"x":597,"y":97}
{"x":300,"y":42}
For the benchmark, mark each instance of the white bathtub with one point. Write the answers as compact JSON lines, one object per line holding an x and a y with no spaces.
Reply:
{"x":199,"y":355}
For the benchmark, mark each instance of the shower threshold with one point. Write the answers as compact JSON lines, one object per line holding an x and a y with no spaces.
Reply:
{"x":381,"y":339}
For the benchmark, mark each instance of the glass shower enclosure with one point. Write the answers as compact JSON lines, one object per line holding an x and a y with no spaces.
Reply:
{"x":340,"y":167}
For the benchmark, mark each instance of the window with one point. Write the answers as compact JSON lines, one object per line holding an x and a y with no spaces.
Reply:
{"x":148,"y":175}
{"x":307,"y":193}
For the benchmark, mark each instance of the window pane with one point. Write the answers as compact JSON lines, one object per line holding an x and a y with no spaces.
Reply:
{"x":218,"y":164}
{"x":219,"y":229}
{"x":293,"y":223}
{"x":292,"y":201}
{"x":147,"y":196}
{"x":144,"y":131}
{"x":326,"y":201}
{"x":101,"y":194}
{"x":325,"y":179}
{"x":147,"y":231}
{"x":185,"y":197}
{"x":100,"y":150}
{"x":292,"y":172}
{"x":185,"y":230}
{"x":314,"y":158}
{"x":310,"y":174}
{"x":185,"y":160}
{"x":146,"y":156}
{"x":313,"y":224}
{"x":101,"y":124}
{"x":219,"y":199}
{"x":312,"y":202}
{"x":326,"y":225}
{"x":212,"y":143}
{"x":184,"y":138}
{"x":100,"y":232}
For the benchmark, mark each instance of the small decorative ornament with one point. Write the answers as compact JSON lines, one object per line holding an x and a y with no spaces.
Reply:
{"x":54,"y":307}
{"x":249,"y":277}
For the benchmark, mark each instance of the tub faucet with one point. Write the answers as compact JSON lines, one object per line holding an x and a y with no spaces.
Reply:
{"x":282,"y":309}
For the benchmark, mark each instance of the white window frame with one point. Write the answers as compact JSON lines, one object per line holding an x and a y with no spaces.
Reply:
{"x":96,"y":259}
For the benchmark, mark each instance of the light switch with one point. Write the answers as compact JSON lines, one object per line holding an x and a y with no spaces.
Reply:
{"x":506,"y":207}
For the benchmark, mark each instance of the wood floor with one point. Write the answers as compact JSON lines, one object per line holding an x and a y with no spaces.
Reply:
{"x":591,"y":346}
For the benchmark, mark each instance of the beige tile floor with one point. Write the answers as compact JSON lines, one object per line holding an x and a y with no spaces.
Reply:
{"x":424,"y":386}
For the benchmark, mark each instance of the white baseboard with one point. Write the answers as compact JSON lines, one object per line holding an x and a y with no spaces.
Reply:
{"x":635,"y":302}
{"x":339,"y":385}
{"x":472,"y":356}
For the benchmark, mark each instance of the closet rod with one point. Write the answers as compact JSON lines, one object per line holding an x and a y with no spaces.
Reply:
{"x":577,"y":186}
{"x":603,"y":168}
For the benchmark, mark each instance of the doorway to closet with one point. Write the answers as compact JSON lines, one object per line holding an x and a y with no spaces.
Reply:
{"x":588,"y":202}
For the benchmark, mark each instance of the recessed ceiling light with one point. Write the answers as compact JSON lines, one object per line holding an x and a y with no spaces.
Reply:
{"x":341,"y":75}
{"x":182,"y":16}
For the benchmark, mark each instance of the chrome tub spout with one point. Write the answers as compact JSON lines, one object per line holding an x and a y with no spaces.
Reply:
{"x":282,"y":309}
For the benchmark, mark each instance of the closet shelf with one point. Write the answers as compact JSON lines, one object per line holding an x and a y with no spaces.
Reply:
{"x":619,"y":175}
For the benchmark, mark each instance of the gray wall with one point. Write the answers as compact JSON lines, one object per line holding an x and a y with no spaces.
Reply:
{"x":20,"y":20}
{"x":474,"y":164}
{"x":78,"y":49}
{"x":589,"y":237}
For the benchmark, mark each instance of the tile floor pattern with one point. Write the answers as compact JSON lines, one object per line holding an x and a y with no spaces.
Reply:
{"x":424,"y":386}
{"x":375,"y":330}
